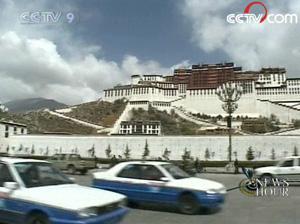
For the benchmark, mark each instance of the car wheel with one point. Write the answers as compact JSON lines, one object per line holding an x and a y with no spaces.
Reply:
{"x":133,"y":204}
{"x":188,"y":204}
{"x":71,"y":169}
{"x":38,"y":219}
{"x":267,"y":177}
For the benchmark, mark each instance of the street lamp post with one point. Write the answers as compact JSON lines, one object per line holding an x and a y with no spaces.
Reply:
{"x":229,"y":94}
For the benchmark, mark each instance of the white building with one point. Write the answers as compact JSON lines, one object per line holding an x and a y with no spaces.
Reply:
{"x":265,"y":92}
{"x":140,"y":128}
{"x":8,"y":128}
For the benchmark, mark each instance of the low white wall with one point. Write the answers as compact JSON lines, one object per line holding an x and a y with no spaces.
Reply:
{"x":280,"y":97}
{"x":217,"y":145}
{"x":3,"y":143}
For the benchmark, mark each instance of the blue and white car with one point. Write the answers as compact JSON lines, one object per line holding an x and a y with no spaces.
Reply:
{"x":161,"y":182}
{"x":34,"y":192}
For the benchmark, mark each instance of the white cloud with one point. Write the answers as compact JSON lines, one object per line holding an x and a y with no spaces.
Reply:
{"x":33,"y":67}
{"x":131,"y":64}
{"x":48,"y":61}
{"x":251,"y":46}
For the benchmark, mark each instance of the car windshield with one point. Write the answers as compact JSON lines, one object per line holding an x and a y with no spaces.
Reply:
{"x":36,"y":174}
{"x":286,"y":163}
{"x":175,"y":171}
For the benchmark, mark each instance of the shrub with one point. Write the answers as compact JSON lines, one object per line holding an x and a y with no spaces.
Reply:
{"x":91,"y":151}
{"x":166,"y":154}
{"x":32,"y":152}
{"x":146,"y":152}
{"x":127,"y":152}
{"x":273,"y":155}
{"x":207,"y":154}
{"x":259,"y":125}
{"x":296,"y":123}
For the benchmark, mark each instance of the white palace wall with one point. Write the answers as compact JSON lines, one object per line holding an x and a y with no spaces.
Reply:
{"x":217,"y":145}
{"x":213,"y":106}
{"x":284,"y":114}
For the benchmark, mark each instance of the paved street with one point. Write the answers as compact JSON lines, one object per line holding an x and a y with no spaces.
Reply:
{"x":238,"y":209}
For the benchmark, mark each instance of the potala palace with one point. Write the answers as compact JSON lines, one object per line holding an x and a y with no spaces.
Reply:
{"x":186,"y":92}
{"x":193,"y":90}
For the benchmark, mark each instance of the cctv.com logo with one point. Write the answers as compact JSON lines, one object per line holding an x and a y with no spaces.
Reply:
{"x":251,"y":18}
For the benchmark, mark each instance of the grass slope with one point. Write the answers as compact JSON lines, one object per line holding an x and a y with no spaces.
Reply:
{"x":100,"y":113}
{"x":40,"y":122}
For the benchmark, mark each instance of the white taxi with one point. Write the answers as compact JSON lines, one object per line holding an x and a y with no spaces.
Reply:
{"x":161,"y":182}
{"x":287,"y":168}
{"x":34,"y":192}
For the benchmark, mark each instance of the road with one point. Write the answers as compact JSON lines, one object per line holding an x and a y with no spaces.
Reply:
{"x":238,"y":209}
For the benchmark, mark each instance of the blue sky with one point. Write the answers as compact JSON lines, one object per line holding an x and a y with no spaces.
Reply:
{"x":113,"y":39}
{"x":150,"y":30}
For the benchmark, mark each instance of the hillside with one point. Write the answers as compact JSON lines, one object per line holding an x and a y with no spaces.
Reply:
{"x":32,"y":104}
{"x":40,"y":122}
{"x":98,"y":112}
{"x":103,"y":114}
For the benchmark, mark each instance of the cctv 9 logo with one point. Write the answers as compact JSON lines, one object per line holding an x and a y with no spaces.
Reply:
{"x":47,"y":17}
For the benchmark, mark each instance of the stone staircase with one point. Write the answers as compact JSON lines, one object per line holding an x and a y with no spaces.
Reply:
{"x":123,"y":117}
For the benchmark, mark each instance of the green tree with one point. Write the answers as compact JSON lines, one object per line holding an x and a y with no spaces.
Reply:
{"x":108,"y":151}
{"x":273,"y":154}
{"x":32,"y":152}
{"x":295,"y":153}
{"x":207,"y":154}
{"x":146,"y":152}
{"x":20,"y":148}
{"x":186,"y":155}
{"x":127,"y":152}
{"x":197,"y":165}
{"x":219,"y":117}
{"x":296,"y":123}
{"x":47,"y":151}
{"x":166,"y":154}
{"x":274,"y":119}
{"x":250,"y":154}
{"x":91,"y":151}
